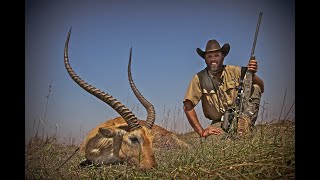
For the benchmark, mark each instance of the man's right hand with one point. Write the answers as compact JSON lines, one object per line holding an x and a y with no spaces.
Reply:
{"x":211,"y":130}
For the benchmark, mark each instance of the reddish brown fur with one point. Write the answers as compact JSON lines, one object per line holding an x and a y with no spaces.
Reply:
{"x":117,"y":146}
{"x":111,"y":142}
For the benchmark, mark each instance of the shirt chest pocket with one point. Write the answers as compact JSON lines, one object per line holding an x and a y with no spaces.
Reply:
{"x":230,"y":86}
{"x":231,"y":91}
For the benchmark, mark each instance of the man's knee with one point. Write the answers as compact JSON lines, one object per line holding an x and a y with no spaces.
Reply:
{"x":216,"y":124}
{"x":256,"y":94}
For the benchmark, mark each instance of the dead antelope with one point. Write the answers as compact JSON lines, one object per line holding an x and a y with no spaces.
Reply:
{"x":123,"y":139}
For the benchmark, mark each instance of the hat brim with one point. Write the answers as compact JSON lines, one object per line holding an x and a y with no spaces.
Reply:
{"x":224,"y":49}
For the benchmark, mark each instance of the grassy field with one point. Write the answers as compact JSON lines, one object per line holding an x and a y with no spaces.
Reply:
{"x":266,"y":153}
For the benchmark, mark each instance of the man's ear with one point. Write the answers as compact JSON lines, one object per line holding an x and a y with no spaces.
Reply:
{"x":106,"y":132}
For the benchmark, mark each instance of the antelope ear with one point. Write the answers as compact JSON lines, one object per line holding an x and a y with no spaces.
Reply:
{"x":106,"y":132}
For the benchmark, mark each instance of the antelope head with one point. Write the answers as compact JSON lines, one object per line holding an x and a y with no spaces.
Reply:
{"x":122,"y":139}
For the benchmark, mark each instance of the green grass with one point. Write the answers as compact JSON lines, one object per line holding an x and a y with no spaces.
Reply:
{"x":266,"y":153}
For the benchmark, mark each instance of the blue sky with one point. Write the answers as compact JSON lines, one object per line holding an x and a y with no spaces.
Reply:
{"x":164,"y":36}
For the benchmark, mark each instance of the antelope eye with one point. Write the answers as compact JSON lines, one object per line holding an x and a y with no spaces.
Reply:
{"x":134,"y":140}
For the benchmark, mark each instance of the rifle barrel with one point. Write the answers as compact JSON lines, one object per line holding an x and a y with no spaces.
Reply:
{"x":256,"y":35}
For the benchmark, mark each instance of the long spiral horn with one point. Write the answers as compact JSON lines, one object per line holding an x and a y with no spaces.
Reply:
{"x":149,"y":107}
{"x":127,"y":115}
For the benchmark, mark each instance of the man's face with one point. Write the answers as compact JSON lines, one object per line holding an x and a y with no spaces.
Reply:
{"x":214,"y":60}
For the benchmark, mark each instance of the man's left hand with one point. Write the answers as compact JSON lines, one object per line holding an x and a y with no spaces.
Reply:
{"x":253,"y":66}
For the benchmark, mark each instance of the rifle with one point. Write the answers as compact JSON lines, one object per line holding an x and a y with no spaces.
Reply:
{"x":243,"y":106}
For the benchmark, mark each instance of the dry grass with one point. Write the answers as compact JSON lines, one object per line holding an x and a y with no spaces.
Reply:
{"x":267,"y":153}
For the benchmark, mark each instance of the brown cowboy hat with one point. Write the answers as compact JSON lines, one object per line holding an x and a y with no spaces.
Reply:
{"x":213,"y":45}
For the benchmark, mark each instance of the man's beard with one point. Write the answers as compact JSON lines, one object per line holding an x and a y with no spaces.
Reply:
{"x":215,"y":69}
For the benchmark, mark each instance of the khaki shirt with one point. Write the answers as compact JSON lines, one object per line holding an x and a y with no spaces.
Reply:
{"x":213,"y":106}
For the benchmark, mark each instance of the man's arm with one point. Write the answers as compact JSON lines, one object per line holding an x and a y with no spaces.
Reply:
{"x":259,"y":82}
{"x":193,"y":120}
{"x":253,"y":66}
{"x":192,"y":117}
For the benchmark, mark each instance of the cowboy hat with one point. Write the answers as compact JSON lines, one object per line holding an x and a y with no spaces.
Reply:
{"x":213,"y":45}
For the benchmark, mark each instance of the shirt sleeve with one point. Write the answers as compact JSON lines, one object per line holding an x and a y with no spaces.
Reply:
{"x":194,"y":91}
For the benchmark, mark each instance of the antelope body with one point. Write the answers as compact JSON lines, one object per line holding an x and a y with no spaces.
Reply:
{"x":121,"y":139}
